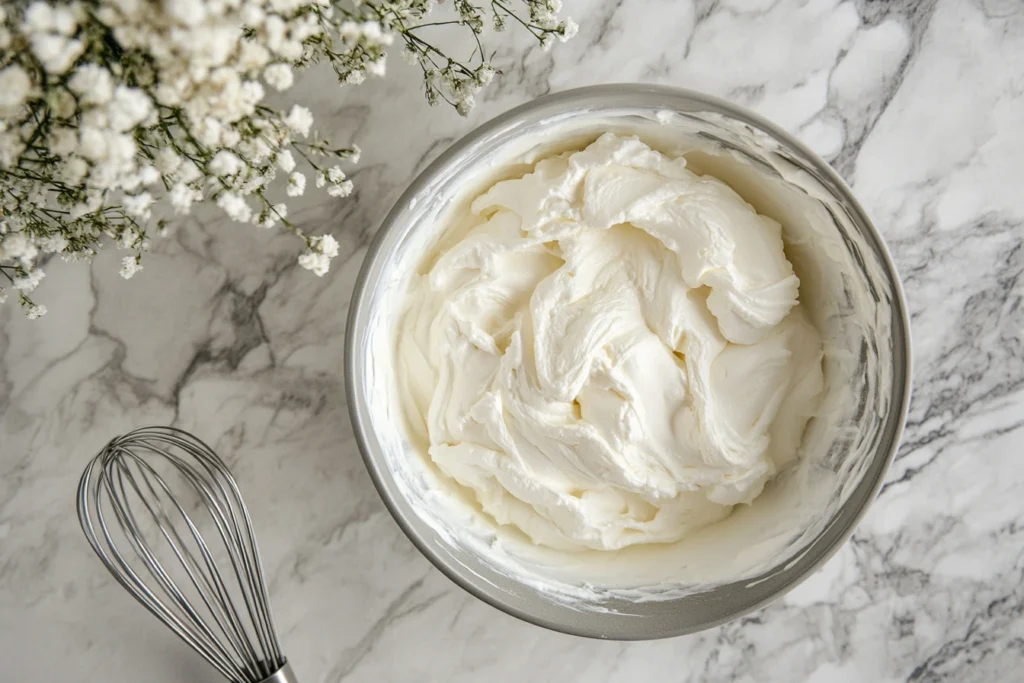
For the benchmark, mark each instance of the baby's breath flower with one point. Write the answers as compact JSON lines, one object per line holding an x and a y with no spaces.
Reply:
{"x":299,"y":120}
{"x":55,"y":52}
{"x":182,"y":196}
{"x":269,"y":217}
{"x":286,"y":161}
{"x":296,"y":184}
{"x":167,"y":161}
{"x":342,"y":189}
{"x":29,"y":282}
{"x":224,"y":163}
{"x":130,"y":265}
{"x":15,"y":85}
{"x":35,"y":311}
{"x":125,"y":103}
{"x":235,"y":206}
{"x":568,"y":30}
{"x":138,"y":205}
{"x":318,"y":255}
{"x":92,"y":84}
{"x":465,"y":105}
{"x":278,"y":76}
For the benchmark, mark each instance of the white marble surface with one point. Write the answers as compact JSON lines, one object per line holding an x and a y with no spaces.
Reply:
{"x":918,"y":103}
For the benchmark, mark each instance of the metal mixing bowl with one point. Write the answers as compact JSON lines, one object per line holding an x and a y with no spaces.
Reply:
{"x":875,"y":423}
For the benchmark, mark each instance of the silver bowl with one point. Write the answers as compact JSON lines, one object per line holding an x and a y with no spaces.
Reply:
{"x":858,"y":452}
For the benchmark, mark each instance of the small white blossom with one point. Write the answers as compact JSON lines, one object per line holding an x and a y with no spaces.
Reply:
{"x":186,"y":12}
{"x":349,"y":31}
{"x":39,"y":18}
{"x":129,"y":238}
{"x":129,"y":108}
{"x":15,"y":85}
{"x":62,"y":103}
{"x":35,"y":312}
{"x":278,"y":76}
{"x":335,"y":174}
{"x":130,"y":266}
{"x":337,"y":185}
{"x":92,"y":143}
{"x":296,"y":184}
{"x":465,"y":105}
{"x":253,"y":56}
{"x":15,"y":245}
{"x":62,"y":141}
{"x":290,"y":50}
{"x":569,"y":30}
{"x":485,"y":74}
{"x":11,"y":147}
{"x":55,"y":52}
{"x":53,"y":244}
{"x":93,"y":201}
{"x":167,"y":161}
{"x":317,"y":257}
{"x":299,"y":120}
{"x":252,"y":15}
{"x":225,"y":163}
{"x":208,"y":131}
{"x":93,"y":84}
{"x":188,"y":172}
{"x":328,"y":245}
{"x":147,"y":175}
{"x":121,"y":148}
{"x":272,"y":215}
{"x":64,"y":21}
{"x":274,"y":32}
{"x":73,"y":171}
{"x":182,"y":196}
{"x":3,"y":295}
{"x":342,"y":189}
{"x":139,"y":204}
{"x":235,"y":206}
{"x":285,"y":161}
{"x":372,"y":32}
{"x":28,"y":283}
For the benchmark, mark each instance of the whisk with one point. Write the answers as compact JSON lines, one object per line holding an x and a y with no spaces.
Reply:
{"x":142,"y":503}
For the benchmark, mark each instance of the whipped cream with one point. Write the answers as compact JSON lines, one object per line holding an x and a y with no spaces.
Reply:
{"x":607,"y":350}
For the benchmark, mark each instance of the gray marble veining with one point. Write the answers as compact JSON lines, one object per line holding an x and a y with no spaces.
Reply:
{"x":918,"y":104}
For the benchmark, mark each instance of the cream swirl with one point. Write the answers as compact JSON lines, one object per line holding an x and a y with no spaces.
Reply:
{"x":608,"y":350}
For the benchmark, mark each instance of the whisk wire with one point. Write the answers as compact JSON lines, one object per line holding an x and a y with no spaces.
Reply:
{"x":243,"y":552}
{"x":126,"y":520}
{"x":219,"y":605}
{"x":139,"y":526}
{"x":131,"y":582}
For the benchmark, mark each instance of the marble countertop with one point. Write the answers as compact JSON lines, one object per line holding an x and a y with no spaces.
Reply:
{"x":918,"y":103}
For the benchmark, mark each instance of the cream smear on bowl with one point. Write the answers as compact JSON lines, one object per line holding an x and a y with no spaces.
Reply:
{"x":617,"y":360}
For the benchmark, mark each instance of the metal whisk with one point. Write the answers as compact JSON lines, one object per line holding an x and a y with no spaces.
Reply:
{"x":142,"y":503}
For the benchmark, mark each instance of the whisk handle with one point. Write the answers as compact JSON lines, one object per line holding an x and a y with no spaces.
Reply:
{"x":282,"y":675}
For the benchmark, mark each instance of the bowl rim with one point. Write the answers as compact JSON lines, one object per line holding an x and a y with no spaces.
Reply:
{"x":361,"y":423}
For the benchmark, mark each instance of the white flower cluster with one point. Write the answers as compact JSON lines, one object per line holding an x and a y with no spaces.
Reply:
{"x":111,"y":107}
{"x":317,"y":257}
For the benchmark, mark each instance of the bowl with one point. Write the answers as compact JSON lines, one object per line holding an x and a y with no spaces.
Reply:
{"x":846,"y":274}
